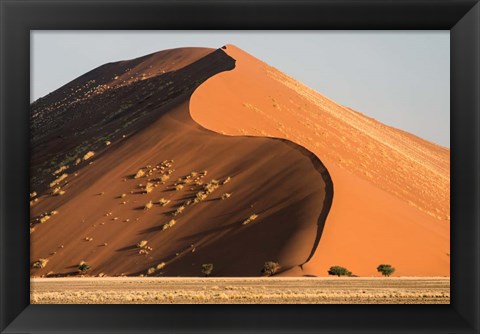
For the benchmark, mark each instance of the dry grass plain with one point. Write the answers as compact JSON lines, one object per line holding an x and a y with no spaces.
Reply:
{"x":281,"y":290}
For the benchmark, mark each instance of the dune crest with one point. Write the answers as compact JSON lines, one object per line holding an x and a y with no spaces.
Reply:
{"x":392,"y":199}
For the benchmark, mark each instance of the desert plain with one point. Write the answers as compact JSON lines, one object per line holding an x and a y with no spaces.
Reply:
{"x":245,"y":290}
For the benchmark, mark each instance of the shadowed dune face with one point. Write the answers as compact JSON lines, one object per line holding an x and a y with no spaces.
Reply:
{"x":145,"y":126}
{"x":99,"y":106}
{"x":392,"y":189}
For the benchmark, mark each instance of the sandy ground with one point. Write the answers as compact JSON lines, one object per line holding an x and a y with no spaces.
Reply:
{"x":285,"y":290}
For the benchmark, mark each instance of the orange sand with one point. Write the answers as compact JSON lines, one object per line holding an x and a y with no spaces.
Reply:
{"x":391,"y":189}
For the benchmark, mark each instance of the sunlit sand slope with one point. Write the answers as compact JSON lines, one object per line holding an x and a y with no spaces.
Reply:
{"x":391,"y":189}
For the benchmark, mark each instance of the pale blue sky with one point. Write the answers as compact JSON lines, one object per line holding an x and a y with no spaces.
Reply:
{"x":401,"y":78}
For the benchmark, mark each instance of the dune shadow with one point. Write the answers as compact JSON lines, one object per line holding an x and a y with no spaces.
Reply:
{"x":187,"y":198}
{"x":64,"y":274}
{"x":138,"y":192}
{"x":151,"y":229}
{"x":127,"y":248}
{"x":327,"y":202}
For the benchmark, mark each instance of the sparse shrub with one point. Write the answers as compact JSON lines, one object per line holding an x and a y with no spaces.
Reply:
{"x":163,"y":201}
{"x":386,"y":269}
{"x":58,"y":180}
{"x":227,"y":180}
{"x":40,"y":263}
{"x":149,"y":205}
{"x":142,"y":243}
{"x":139,"y":174}
{"x":179,"y":210}
{"x":88,"y":155}
{"x":83,"y":267}
{"x":59,"y":170}
{"x":148,"y":187}
{"x":169,"y":224}
{"x":44,"y":219}
{"x":164,"y":178}
{"x":107,"y":143}
{"x":151,"y":271}
{"x":160,"y":265}
{"x":179,"y":187}
{"x":226,"y":195}
{"x":270,"y":268}
{"x":200,"y":196}
{"x":123,"y":195}
{"x":339,"y":271}
{"x":207,"y":269}
{"x":250,"y":219}
{"x":211,"y":186}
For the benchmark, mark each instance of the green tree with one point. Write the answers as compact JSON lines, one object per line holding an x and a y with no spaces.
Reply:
{"x":83,"y":267}
{"x":207,"y":269}
{"x":270,"y":268}
{"x":386,"y":269}
{"x":339,"y":271}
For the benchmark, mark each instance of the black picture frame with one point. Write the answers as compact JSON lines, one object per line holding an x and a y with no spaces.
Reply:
{"x":18,"y":17}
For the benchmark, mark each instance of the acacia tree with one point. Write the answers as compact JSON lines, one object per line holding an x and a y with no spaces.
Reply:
{"x":207,"y":269}
{"x":386,"y":269}
{"x":339,"y":271}
{"x":270,"y":268}
{"x":83,"y":267}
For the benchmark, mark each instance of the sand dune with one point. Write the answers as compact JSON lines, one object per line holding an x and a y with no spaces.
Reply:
{"x":102,"y":216}
{"x":305,"y":182}
{"x":392,"y":197}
